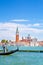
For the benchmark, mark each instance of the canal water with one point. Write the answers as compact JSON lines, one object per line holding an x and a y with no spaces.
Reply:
{"x":22,"y":58}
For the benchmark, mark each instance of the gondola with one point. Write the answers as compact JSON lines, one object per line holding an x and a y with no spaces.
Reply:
{"x":9,"y":52}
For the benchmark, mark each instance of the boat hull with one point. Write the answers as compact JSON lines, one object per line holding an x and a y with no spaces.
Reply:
{"x":10,"y":52}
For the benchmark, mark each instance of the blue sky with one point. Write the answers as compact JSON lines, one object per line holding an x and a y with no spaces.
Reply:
{"x":27,"y":14}
{"x":21,"y":9}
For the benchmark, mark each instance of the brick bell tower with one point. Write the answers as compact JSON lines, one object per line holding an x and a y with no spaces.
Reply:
{"x":17,"y":35}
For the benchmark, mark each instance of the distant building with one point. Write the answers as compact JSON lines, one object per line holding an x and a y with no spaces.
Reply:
{"x":40,"y":43}
{"x":27,"y":40}
{"x":17,"y":35}
{"x":34,"y":42}
{"x":23,"y":41}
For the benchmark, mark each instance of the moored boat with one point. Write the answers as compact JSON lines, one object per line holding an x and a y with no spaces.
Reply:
{"x":9,"y":52}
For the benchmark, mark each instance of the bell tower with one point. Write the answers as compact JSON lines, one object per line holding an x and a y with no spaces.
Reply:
{"x":17,"y":35}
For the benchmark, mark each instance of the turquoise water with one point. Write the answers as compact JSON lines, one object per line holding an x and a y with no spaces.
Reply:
{"x":22,"y":58}
{"x":31,"y":48}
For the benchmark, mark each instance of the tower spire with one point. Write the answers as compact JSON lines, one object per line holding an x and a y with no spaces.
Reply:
{"x":17,"y":32}
{"x":17,"y":35}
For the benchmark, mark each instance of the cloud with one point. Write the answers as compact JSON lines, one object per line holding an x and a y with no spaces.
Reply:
{"x":37,"y":24}
{"x":19,"y":20}
{"x":8,"y":30}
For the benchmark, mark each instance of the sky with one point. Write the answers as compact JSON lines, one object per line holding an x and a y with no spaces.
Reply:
{"x":27,"y":15}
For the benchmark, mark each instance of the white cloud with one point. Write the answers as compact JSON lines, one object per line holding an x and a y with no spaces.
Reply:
{"x":37,"y":24}
{"x":19,"y":20}
{"x":8,"y":30}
